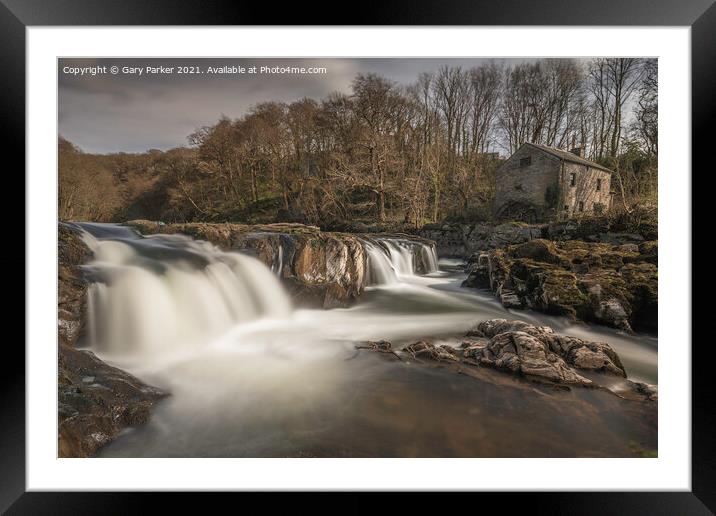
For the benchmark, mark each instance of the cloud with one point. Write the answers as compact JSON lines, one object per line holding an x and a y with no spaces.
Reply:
{"x":133,"y":113}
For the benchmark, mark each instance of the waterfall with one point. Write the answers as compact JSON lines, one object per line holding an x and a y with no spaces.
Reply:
{"x":380,"y":268}
{"x":277,"y":265}
{"x":430,"y":257}
{"x":391,"y":258}
{"x":164,"y":291}
{"x":401,"y":256}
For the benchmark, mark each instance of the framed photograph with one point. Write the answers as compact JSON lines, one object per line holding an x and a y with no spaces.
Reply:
{"x":413,"y":251}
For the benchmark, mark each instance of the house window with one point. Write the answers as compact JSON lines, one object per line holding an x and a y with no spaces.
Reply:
{"x":581,"y":206}
{"x":599,"y":184}
{"x":572,"y":179}
{"x":526,"y":162}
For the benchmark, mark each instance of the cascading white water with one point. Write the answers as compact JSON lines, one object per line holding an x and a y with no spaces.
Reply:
{"x":380,"y":268}
{"x":430,"y":257}
{"x":277,"y":265}
{"x":401,"y":256}
{"x":390,"y":259}
{"x":166,"y":291}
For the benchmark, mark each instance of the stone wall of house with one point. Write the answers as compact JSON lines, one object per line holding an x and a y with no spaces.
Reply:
{"x":583,"y":197}
{"x":527,"y":192}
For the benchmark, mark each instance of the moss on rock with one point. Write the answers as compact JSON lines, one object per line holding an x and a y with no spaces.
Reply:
{"x":615,"y":285}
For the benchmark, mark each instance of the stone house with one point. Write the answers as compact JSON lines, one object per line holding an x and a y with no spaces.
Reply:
{"x":539,"y":183}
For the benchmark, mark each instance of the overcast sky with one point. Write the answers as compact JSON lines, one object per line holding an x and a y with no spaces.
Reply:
{"x":127,"y":112}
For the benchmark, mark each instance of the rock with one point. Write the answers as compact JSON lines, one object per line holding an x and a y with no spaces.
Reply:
{"x":95,"y":401}
{"x":592,"y":356}
{"x":624,"y":228}
{"x":521,"y":353}
{"x":629,"y":248}
{"x":462,"y":240}
{"x":649,"y":251}
{"x":643,"y":390}
{"x":72,"y":287}
{"x":381,"y":346}
{"x":426,"y":350}
{"x":509,"y":299}
{"x":533,"y":352}
{"x":323,"y":295}
{"x":319,"y":268}
{"x":612,"y":285}
{"x":541,"y":251}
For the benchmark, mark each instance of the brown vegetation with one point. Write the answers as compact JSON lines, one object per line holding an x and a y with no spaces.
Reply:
{"x":383,"y":153}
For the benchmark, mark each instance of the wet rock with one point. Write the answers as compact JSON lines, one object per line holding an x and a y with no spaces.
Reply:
{"x":381,"y":346}
{"x":521,"y":353}
{"x":72,"y":287}
{"x":534,"y":352}
{"x":641,"y":390}
{"x":95,"y":401}
{"x":323,"y":295}
{"x":320,"y":269}
{"x":426,"y":350}
{"x":612,"y":285}
{"x":591,"y":356}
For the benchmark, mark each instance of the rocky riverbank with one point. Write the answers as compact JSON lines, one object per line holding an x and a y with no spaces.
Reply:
{"x":96,"y":401}
{"x":614,"y":285}
{"x":462,"y":240}
{"x":319,"y":269}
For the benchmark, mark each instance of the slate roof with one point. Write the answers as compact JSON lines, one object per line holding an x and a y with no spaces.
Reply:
{"x":568,"y":156}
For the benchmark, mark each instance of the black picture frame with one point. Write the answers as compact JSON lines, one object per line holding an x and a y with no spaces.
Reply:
{"x":16,"y":15}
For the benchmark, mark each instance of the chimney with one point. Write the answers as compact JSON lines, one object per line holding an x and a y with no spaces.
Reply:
{"x":578,"y":151}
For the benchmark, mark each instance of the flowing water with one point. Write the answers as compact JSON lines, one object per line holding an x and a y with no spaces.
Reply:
{"x":250,"y":376}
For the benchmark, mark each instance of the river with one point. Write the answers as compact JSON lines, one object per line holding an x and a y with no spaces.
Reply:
{"x":252,"y":376}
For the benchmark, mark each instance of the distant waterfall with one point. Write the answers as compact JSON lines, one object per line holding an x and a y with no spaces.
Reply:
{"x":164,"y":291}
{"x":390,"y":258}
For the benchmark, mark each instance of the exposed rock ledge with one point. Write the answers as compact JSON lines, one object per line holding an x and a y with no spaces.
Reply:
{"x":612,"y":285}
{"x":462,"y":240}
{"x":535,"y":353}
{"x":319,"y":269}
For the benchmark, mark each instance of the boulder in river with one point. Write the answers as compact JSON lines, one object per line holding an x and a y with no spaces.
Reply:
{"x":537,"y":344}
{"x":535,"y":353}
